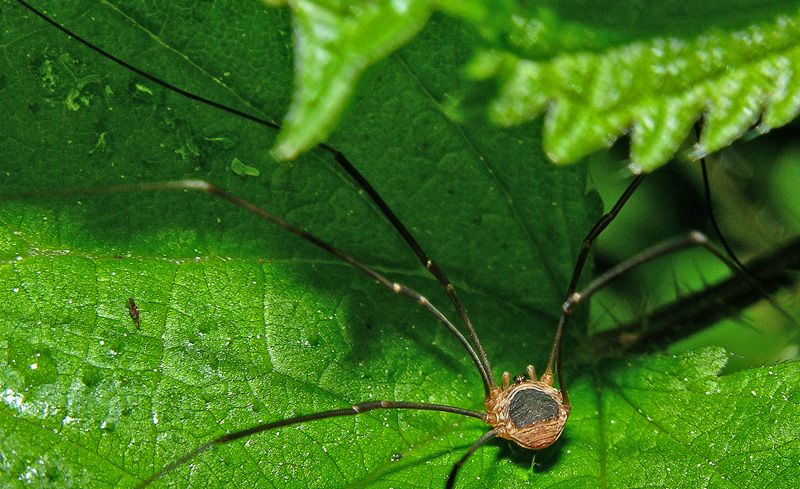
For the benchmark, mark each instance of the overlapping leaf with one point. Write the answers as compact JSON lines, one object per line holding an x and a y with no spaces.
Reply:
{"x":596,"y":79}
{"x":656,"y":90}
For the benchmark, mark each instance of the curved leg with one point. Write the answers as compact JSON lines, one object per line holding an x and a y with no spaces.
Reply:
{"x":451,"y":480}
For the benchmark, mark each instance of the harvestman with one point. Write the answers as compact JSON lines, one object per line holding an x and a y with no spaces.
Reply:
{"x":528,"y":411}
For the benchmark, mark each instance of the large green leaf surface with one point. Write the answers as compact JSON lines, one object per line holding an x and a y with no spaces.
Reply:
{"x":242,"y":323}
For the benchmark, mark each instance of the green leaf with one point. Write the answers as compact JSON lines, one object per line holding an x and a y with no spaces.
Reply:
{"x":672,"y":422}
{"x":656,"y":89}
{"x":334,"y":43}
{"x":599,"y":71}
{"x":242,"y":323}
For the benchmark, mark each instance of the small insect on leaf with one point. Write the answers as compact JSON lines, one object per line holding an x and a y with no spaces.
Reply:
{"x":133,"y":310}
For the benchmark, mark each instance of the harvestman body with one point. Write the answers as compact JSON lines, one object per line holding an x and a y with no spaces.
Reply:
{"x":526,"y":410}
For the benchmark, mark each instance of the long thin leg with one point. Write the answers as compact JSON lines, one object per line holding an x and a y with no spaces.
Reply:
{"x":199,"y":185}
{"x":430,"y":265}
{"x":451,"y":480}
{"x":691,"y":240}
{"x":709,"y":205}
{"x":700,"y":309}
{"x":353,"y":410}
{"x":597,"y":229}
{"x":554,"y":362}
